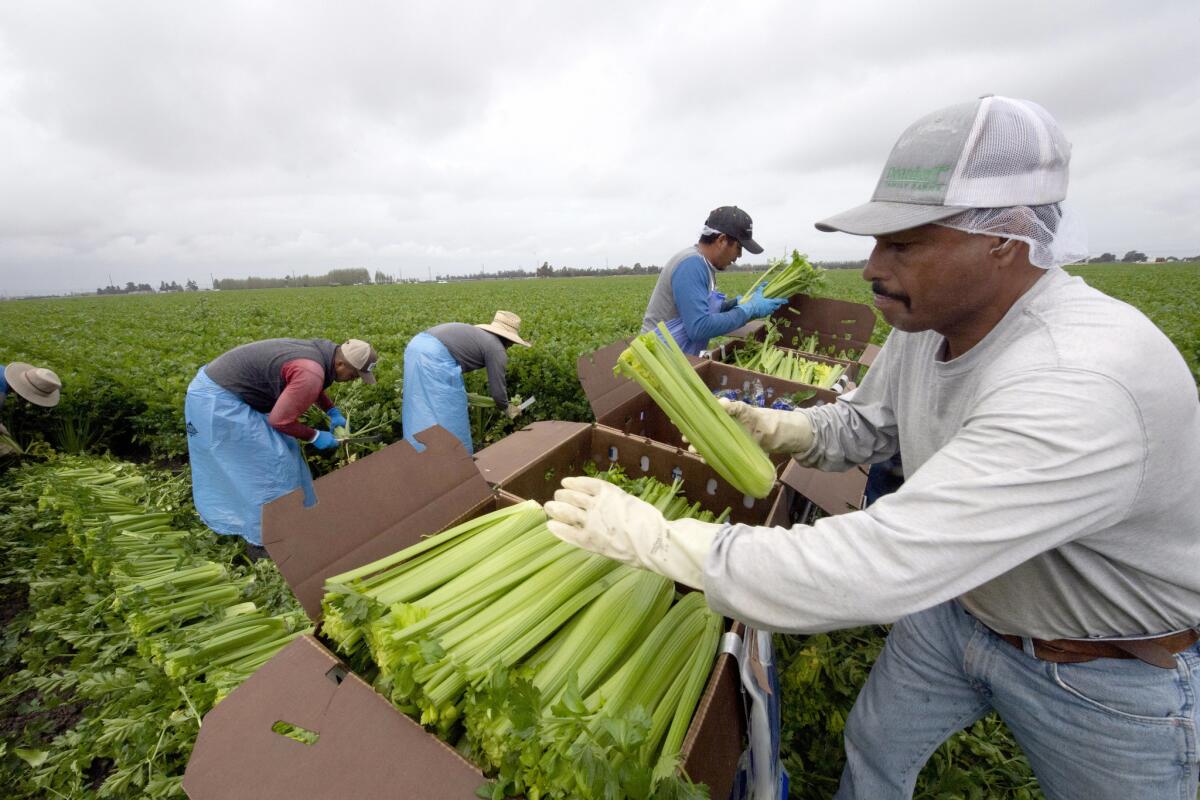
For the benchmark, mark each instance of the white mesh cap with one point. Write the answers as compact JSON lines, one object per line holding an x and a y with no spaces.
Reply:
{"x":990,"y":154}
{"x":1054,"y":232}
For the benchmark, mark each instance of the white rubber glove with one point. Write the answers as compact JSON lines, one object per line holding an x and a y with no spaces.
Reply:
{"x":776,"y":431}
{"x":598,"y":516}
{"x":512,"y":411}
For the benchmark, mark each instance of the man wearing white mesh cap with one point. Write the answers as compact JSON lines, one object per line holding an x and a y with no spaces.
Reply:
{"x":1041,"y":558}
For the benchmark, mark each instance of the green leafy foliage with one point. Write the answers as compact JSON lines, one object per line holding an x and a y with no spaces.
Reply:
{"x":93,"y":709}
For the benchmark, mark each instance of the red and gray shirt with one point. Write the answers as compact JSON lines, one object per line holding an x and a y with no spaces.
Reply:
{"x":282,"y":378}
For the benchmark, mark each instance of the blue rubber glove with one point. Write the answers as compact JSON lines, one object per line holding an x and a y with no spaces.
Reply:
{"x":759,"y":306}
{"x":337,"y":419}
{"x":324,"y":441}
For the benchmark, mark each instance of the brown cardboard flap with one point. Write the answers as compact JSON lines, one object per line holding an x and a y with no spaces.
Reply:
{"x":365,"y":748}
{"x":500,"y":461}
{"x":603,"y":389}
{"x":366,"y":511}
{"x":839,"y":318}
{"x":832,"y":492}
{"x":869,"y":354}
{"x":715,"y":739}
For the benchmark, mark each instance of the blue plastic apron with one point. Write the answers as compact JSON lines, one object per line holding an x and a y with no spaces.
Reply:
{"x":239,"y":462}
{"x":761,"y":774}
{"x":434,"y":392}
{"x":678,"y":331}
{"x":3,"y":386}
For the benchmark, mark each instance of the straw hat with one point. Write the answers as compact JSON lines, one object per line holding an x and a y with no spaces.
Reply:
{"x":38,"y":385}
{"x":506,"y":324}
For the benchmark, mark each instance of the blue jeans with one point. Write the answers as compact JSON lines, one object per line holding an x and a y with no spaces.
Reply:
{"x":1108,"y":728}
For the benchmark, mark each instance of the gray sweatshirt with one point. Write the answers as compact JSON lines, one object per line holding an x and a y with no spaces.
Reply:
{"x":474,"y":348}
{"x":1053,"y":485}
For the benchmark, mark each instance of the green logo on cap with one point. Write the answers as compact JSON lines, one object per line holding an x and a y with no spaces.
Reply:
{"x":915,"y":177}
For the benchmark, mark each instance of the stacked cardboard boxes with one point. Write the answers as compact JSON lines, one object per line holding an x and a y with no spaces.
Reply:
{"x":839,"y":325}
{"x":376,"y":506}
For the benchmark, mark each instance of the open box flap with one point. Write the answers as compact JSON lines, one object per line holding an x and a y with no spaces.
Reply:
{"x":365,"y":509}
{"x":364,"y":747}
{"x":498,"y":462}
{"x":832,"y":492}
{"x":841,"y":318}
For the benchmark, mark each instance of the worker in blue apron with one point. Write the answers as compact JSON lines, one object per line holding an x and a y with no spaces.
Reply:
{"x":434,"y":363}
{"x":243,"y":413}
{"x":685,"y":298}
{"x":38,"y":385}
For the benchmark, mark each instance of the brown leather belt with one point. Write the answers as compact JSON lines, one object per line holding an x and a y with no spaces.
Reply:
{"x":1159,"y":651}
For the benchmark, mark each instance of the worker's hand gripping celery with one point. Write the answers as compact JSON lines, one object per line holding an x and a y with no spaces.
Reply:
{"x":775,"y":430}
{"x":756,"y":305}
{"x":660,"y":367}
{"x":337,"y":419}
{"x":598,"y":516}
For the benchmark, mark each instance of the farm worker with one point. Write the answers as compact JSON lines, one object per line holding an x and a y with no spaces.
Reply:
{"x":38,"y":385}
{"x":685,"y":297}
{"x":434,"y":363}
{"x":243,"y":410}
{"x":1040,"y":558}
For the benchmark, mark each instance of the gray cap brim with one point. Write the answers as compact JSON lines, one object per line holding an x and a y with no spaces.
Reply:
{"x":880,"y":217}
{"x":751,"y":246}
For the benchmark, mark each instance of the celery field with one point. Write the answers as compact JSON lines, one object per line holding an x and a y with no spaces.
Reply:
{"x":101,"y":701}
{"x":126,"y":361}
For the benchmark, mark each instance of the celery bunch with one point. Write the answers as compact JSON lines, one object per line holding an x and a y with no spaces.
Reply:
{"x":665,"y":497}
{"x":184,"y":613}
{"x":765,"y":357}
{"x":531,"y":651}
{"x":786,"y":278}
{"x":655,"y":361}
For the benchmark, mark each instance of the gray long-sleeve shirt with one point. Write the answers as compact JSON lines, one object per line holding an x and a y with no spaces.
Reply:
{"x":1051,"y":485}
{"x":474,"y":348}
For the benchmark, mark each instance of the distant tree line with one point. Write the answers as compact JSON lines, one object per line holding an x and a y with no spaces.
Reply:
{"x":335,"y":277}
{"x":1135,"y":257}
{"x":144,"y":288}
{"x":361,"y":276}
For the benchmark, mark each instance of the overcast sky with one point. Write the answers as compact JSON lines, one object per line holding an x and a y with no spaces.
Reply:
{"x":159,"y":141}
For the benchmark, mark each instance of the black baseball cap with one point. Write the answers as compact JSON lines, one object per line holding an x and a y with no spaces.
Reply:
{"x":732,"y":221}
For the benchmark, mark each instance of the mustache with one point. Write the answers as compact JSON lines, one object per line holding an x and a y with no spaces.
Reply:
{"x":877,"y":288}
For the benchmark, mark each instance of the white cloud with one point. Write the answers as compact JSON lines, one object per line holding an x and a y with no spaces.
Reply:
{"x":164,"y":141}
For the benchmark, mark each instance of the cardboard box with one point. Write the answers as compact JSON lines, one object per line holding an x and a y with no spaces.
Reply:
{"x":838,"y":323}
{"x":365,"y":747}
{"x":622,"y":405}
{"x":728,"y":351}
{"x":531,"y":464}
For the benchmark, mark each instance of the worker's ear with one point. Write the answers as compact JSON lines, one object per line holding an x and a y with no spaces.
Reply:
{"x":1009,"y":252}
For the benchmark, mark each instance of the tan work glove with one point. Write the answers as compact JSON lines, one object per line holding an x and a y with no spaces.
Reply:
{"x":598,"y":516}
{"x":775,"y":431}
{"x":512,"y":411}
